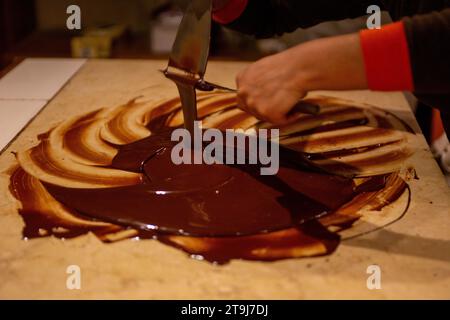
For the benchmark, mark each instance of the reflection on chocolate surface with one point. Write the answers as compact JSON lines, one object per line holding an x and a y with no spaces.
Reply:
{"x":86,"y":174}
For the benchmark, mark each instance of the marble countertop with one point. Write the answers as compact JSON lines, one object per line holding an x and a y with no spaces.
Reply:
{"x":413,"y":254}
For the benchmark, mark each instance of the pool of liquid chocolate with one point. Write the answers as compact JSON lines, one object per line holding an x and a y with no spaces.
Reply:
{"x":218,"y":212}
{"x":208,"y":199}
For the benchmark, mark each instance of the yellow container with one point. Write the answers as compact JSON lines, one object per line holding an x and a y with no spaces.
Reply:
{"x":91,"y":47}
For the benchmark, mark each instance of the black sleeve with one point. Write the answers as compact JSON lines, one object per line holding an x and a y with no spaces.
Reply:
{"x":428,"y":37}
{"x":267,"y":18}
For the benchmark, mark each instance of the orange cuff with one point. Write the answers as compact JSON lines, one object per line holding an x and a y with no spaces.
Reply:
{"x":386,"y":58}
{"x":230,"y":12}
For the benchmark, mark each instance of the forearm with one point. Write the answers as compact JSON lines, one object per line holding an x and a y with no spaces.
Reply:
{"x":334,"y":63}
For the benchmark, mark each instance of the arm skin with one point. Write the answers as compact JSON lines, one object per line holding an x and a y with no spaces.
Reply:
{"x":281,"y":80}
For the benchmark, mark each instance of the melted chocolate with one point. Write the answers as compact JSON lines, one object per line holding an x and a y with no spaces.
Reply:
{"x":214,"y":212}
{"x":207,"y":200}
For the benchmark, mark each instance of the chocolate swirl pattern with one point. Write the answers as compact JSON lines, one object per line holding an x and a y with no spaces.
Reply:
{"x":347,"y":139}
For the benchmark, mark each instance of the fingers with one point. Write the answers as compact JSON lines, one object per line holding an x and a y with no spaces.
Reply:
{"x":249,"y":99}
{"x":260,"y":109}
{"x":266,"y":99}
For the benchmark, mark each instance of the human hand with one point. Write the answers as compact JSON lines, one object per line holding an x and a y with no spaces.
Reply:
{"x":270,"y":87}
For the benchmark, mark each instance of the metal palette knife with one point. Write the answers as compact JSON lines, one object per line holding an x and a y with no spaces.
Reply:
{"x":189,"y":57}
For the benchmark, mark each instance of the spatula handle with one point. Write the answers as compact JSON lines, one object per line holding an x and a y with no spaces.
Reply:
{"x":305,"y":107}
